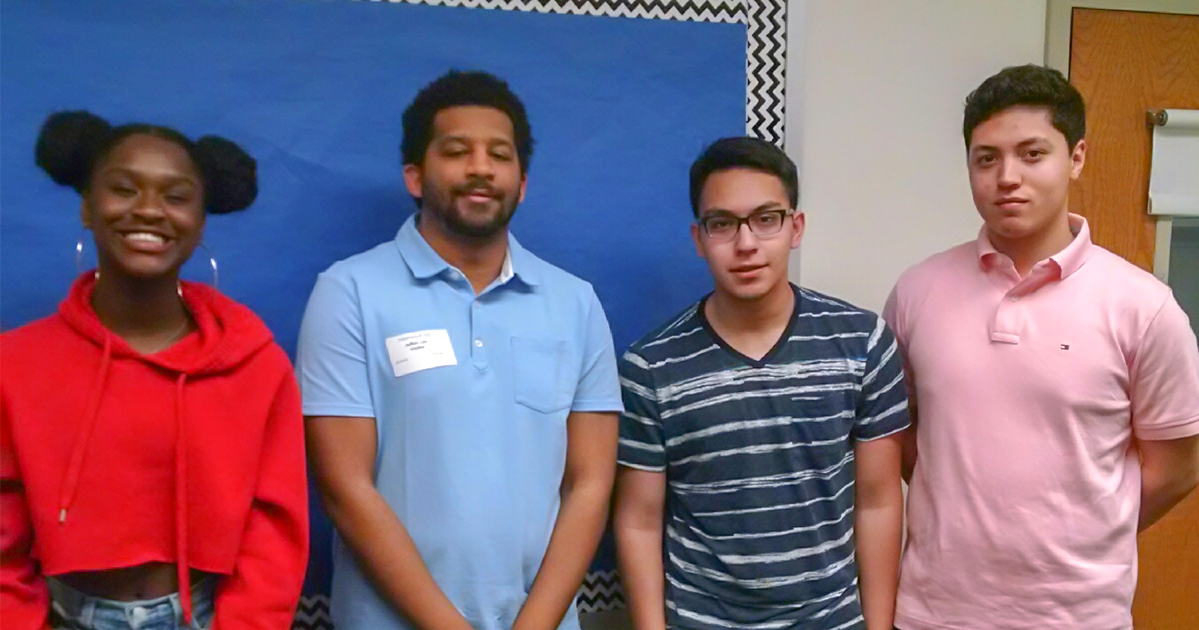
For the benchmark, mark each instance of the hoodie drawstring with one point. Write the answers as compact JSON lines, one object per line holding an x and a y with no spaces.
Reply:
{"x":75,"y":468}
{"x":182,"y":565}
{"x":67,"y":496}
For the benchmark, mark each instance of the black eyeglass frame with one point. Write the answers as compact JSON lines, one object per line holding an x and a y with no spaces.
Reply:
{"x":782,"y":213}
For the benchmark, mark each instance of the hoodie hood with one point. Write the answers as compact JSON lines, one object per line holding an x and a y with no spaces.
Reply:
{"x":228,"y":333}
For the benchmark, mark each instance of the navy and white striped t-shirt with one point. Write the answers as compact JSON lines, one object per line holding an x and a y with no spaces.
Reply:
{"x":759,"y":462}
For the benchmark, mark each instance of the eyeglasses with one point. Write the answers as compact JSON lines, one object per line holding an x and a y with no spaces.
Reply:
{"x":725,"y":227}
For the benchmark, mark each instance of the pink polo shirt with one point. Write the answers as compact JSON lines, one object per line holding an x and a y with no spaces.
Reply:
{"x":1022,"y":513}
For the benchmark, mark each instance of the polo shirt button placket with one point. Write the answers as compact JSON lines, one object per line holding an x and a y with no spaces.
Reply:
{"x":478,"y":354}
{"x":1005,"y":326}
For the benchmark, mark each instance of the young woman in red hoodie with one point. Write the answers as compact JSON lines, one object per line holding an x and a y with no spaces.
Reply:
{"x":152,"y":469}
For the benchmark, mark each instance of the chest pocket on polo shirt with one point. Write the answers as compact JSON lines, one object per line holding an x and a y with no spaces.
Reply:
{"x":542,"y":374}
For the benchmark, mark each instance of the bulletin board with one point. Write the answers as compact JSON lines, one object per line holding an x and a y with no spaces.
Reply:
{"x":621,"y":95}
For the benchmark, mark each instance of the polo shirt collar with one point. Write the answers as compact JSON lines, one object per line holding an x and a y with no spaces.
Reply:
{"x":521,"y":264}
{"x":1067,"y":261}
{"x":426,"y":263}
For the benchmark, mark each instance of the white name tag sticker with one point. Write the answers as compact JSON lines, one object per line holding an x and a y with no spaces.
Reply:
{"x":420,"y":350}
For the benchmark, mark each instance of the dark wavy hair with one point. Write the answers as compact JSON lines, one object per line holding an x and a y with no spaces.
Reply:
{"x":454,"y":89}
{"x":743,"y":152}
{"x":72,"y":143}
{"x":1030,"y":85}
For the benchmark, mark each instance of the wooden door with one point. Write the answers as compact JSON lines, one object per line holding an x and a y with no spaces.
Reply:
{"x":1126,"y":63}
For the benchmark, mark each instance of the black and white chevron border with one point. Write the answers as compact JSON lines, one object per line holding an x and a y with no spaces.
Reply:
{"x":766,"y":56}
{"x":688,"y":10}
{"x":313,"y":614}
{"x":766,"y":42}
{"x":601,"y":591}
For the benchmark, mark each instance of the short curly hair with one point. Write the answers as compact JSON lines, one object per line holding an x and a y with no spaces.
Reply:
{"x":1030,"y":85}
{"x":71,"y":144}
{"x":457,"y":88}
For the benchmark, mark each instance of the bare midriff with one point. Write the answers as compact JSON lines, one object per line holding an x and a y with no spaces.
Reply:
{"x":127,"y":584}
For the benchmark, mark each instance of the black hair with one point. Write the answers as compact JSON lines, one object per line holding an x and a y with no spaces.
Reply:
{"x":454,"y":89}
{"x":743,"y":152}
{"x":1030,"y":85}
{"x":71,"y":144}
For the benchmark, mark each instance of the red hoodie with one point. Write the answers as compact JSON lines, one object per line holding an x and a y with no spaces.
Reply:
{"x":110,"y":458}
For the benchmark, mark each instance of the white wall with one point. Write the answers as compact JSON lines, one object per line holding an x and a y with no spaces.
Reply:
{"x":877,"y":129}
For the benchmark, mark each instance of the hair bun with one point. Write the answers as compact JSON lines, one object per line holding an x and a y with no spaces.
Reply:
{"x":230,"y":174}
{"x":66,"y":145}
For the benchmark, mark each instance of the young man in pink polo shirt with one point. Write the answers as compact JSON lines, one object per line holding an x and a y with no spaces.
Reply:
{"x":1054,"y":390}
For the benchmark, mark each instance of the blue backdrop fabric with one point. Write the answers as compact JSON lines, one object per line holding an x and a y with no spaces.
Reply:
{"x":314,"y":90}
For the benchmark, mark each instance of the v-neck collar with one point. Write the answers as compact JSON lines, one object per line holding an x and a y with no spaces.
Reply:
{"x":774,"y":350}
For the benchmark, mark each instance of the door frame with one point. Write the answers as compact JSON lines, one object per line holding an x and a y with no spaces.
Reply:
{"x":1059,"y":14}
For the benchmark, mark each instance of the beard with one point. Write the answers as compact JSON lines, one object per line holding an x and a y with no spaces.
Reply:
{"x":448,"y":207}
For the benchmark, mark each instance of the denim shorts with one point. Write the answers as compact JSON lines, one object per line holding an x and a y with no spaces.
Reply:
{"x":72,"y":610}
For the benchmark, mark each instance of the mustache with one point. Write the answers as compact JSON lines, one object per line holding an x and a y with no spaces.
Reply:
{"x":475,"y":186}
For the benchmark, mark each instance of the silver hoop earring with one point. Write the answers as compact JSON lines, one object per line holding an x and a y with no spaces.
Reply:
{"x":79,"y":254}
{"x":216,"y":276}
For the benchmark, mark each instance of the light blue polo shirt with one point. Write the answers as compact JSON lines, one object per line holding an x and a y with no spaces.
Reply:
{"x":471,"y":454}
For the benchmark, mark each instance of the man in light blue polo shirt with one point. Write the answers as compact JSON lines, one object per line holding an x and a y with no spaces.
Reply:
{"x":460,"y":393}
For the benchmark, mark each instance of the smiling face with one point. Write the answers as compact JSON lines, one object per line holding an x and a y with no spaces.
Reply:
{"x":749,"y":266}
{"x":1020,"y":169}
{"x":145,"y":207}
{"x":470,"y":179}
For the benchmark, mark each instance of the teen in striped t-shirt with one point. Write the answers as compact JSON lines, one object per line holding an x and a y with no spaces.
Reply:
{"x":760,"y":446}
